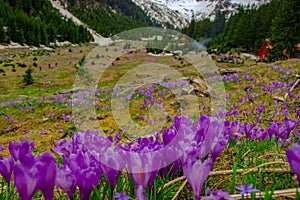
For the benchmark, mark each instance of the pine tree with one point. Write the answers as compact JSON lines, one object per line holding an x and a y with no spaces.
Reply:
{"x":2,"y":31}
{"x":285,"y":28}
{"x":35,"y":22}
{"x":52,"y":32}
{"x":20,"y":36}
{"x":37,"y":33}
{"x":219,"y":23}
{"x":191,"y":29}
{"x":44,"y":36}
{"x":27,"y":77}
{"x":229,"y":37}
{"x":12,"y":30}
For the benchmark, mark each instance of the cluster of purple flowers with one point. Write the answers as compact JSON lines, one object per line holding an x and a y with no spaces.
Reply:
{"x":283,"y":72}
{"x":9,"y":118}
{"x":185,"y":145}
{"x":31,"y":173}
{"x":67,"y":118}
{"x":276,"y":88}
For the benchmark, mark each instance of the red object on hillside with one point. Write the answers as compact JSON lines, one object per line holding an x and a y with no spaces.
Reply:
{"x":263,"y":51}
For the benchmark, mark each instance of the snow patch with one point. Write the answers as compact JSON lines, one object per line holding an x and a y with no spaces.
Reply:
{"x":180,"y":12}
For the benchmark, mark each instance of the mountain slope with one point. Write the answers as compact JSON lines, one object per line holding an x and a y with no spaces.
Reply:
{"x":37,"y":22}
{"x":97,"y":38}
{"x":109,"y":17}
{"x":180,"y":12}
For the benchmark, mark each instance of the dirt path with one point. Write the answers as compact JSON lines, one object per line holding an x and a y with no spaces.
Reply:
{"x":97,"y":38}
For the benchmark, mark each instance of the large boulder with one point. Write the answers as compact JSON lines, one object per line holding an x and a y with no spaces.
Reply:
{"x":199,"y":87}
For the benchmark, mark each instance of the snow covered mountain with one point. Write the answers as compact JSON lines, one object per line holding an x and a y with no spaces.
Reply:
{"x":180,"y":12}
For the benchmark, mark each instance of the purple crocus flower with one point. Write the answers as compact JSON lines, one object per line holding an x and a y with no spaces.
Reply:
{"x":19,"y":150}
{"x":33,"y":173}
{"x":26,"y":178}
{"x":86,"y":180}
{"x":8,"y":128}
{"x":261,"y":108}
{"x":218,"y":195}
{"x":196,"y":173}
{"x":46,"y":164}
{"x":171,"y":153}
{"x":169,"y":135}
{"x":248,"y":129}
{"x":45,"y":132}
{"x":66,"y":180}
{"x":277,"y":129}
{"x":261,"y":134}
{"x":87,"y":171}
{"x":112,"y":165}
{"x":290,"y":124}
{"x":32,"y":108}
{"x":211,"y":135}
{"x":246,"y":189}
{"x":143,"y":168}
{"x":122,"y":196}
{"x":63,"y":148}
{"x":218,"y":148}
{"x":6,"y":168}
{"x":293,"y":157}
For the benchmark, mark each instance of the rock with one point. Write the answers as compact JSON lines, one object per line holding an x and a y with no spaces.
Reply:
{"x":199,"y":87}
{"x":196,"y":86}
{"x":229,"y":71}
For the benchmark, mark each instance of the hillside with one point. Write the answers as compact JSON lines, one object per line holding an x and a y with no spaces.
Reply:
{"x":248,"y":29}
{"x":37,"y":22}
{"x":97,"y":37}
{"x":109,"y":17}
